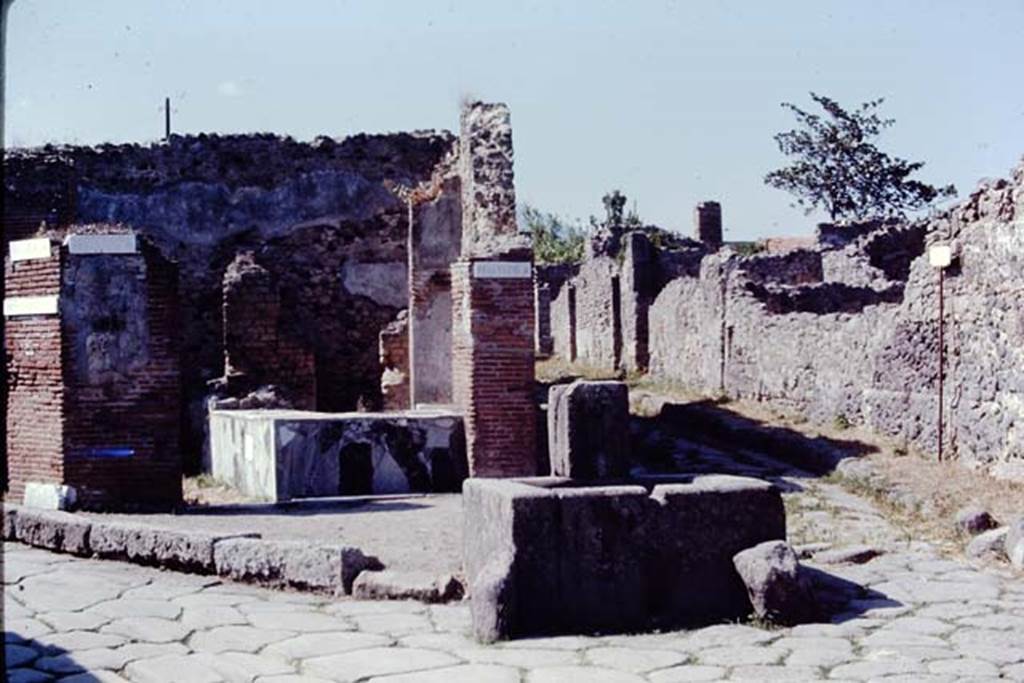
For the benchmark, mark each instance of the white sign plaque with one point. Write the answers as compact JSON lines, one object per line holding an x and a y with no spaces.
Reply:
{"x":119,"y":243}
{"x":504,"y":270}
{"x":940,"y":255}
{"x":30,"y":305}
{"x":27,"y":250}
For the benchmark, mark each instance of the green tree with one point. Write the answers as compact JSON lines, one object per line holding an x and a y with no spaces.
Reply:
{"x":615,"y":213}
{"x":837,"y":167}
{"x":554,"y":241}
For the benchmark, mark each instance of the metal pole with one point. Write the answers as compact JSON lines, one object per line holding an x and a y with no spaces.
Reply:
{"x":941,"y":355}
{"x":167,"y":118}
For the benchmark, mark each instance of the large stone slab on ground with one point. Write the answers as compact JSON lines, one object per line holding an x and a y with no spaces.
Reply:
{"x":779,"y":592}
{"x":53,"y":530}
{"x":588,"y":430}
{"x":292,"y":564}
{"x":278,"y":455}
{"x":543,"y":555}
{"x":392,"y":585}
{"x":183,"y":550}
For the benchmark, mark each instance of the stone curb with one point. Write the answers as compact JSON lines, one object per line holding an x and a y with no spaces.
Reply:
{"x":242,"y":557}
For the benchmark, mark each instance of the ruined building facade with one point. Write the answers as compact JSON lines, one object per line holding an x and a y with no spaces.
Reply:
{"x":305,"y":272}
{"x":845,"y":331}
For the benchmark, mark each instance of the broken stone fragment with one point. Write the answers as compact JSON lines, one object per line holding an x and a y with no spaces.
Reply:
{"x":854,"y":554}
{"x":779,"y":591}
{"x":392,"y":585}
{"x":991,"y":544}
{"x":972,"y":520}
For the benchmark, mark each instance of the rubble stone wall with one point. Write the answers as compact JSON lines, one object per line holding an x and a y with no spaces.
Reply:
{"x":866,"y":350}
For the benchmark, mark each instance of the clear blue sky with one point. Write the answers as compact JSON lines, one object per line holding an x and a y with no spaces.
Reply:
{"x":673,"y":102}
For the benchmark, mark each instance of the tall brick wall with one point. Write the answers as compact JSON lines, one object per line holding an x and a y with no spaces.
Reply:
{"x":259,"y":347}
{"x":493,"y":373}
{"x":35,"y":388}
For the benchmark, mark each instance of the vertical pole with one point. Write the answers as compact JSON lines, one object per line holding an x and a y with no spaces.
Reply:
{"x":167,"y":118}
{"x":941,"y":356}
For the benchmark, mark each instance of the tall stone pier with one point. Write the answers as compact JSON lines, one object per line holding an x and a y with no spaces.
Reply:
{"x":493,"y":320}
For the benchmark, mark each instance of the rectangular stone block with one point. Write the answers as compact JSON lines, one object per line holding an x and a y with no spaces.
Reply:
{"x":292,"y":564}
{"x":59,"y":531}
{"x":279,"y":455}
{"x":154,"y":546}
{"x":551,"y":555}
{"x":588,"y":430}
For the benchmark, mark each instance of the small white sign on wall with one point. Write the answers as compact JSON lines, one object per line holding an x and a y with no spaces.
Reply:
{"x":28,"y":250}
{"x":503,"y":270}
{"x":940,"y":255}
{"x":30,"y":305}
{"x":119,"y":243}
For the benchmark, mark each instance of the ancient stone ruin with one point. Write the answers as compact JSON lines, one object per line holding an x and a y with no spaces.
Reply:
{"x":844,"y":330}
{"x":375,"y":272}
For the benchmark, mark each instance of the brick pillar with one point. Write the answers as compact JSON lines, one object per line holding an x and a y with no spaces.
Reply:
{"x":493,"y":373}
{"x":707,"y":219}
{"x":32,"y":345}
{"x":493,"y":316}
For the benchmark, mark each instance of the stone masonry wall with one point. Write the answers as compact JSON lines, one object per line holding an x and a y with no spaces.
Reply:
{"x":867,"y":350}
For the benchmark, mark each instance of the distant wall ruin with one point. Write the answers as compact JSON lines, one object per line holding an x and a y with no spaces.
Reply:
{"x":843,"y":332}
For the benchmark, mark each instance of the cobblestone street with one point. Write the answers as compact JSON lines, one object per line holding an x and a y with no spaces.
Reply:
{"x":908,"y":614}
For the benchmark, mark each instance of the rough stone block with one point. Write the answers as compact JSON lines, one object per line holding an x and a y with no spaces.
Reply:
{"x":48,"y":496}
{"x":1015,"y":543}
{"x":422,"y":586}
{"x":10,"y":528}
{"x":53,"y":530}
{"x":991,"y":544}
{"x":973,"y":520}
{"x":588,"y":430}
{"x":155,"y":546}
{"x":292,"y":564}
{"x":779,"y":592}
{"x":543,"y":554}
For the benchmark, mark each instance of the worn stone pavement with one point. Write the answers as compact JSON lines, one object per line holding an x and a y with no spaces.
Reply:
{"x":910,"y":614}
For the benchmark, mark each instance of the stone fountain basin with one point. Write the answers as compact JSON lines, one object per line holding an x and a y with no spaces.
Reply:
{"x":551,"y":555}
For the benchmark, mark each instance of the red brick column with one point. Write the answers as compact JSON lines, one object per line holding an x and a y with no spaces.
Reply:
{"x":492,"y":365}
{"x":35,"y":390}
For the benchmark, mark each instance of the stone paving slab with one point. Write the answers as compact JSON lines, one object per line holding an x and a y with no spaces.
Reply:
{"x":912,"y":614}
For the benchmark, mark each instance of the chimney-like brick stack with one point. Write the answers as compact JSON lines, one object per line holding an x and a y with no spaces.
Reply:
{"x":707,"y":218}
{"x":92,"y":339}
{"x":493,"y":317}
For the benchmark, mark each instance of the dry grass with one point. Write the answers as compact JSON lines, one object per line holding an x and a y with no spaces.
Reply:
{"x":947,"y":486}
{"x":554,"y":370}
